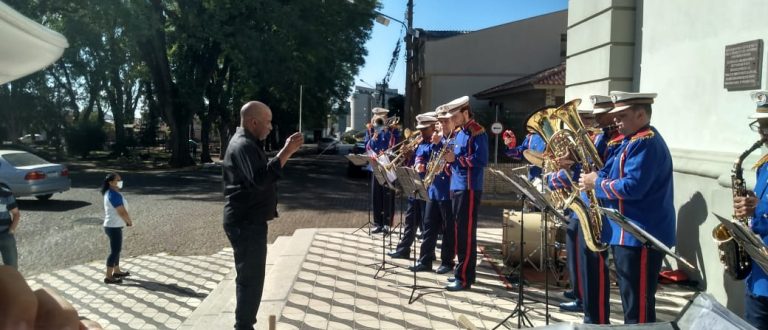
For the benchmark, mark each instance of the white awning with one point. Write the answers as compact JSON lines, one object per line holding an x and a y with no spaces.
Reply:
{"x":25,"y":45}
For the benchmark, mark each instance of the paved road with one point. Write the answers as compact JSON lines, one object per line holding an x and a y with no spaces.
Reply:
{"x":180,"y":212}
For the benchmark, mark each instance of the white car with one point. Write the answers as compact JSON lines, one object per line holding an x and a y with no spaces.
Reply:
{"x":26,"y":174}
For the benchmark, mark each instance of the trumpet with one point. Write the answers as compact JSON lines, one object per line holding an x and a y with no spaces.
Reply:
{"x":408,"y":145}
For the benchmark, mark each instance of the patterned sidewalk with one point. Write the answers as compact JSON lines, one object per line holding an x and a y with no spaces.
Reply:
{"x":335,"y":289}
{"x":161,"y":292}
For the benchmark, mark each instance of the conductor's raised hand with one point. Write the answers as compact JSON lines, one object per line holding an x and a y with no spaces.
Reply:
{"x":294,"y":142}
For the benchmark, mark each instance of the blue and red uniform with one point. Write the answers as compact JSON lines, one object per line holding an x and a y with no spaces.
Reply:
{"x":383,"y":198}
{"x":637,"y":181}
{"x":438,"y":218}
{"x":594,"y":270}
{"x":756,"y":306}
{"x":467,"y":172}
{"x":414,"y":214}
{"x":533,"y":142}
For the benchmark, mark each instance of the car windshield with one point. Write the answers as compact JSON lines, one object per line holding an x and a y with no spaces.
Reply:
{"x":24,"y":159}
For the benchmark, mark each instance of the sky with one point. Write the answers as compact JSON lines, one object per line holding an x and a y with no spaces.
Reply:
{"x":462,"y":15}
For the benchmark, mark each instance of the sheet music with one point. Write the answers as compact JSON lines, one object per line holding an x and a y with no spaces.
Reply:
{"x":533,"y":194}
{"x":641,"y":235}
{"x":411,"y":183}
{"x":748,"y":240}
{"x":358,"y":160}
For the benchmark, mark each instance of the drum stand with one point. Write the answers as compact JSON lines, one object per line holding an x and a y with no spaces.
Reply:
{"x":520,"y":310}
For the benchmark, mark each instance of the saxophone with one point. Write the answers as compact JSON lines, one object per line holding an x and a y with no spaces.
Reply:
{"x":737,"y":262}
{"x":437,"y":162}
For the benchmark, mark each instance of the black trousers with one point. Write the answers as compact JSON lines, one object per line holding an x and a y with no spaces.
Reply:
{"x":249,"y":243}
{"x":572,"y":232}
{"x":637,"y":269}
{"x":756,"y":311}
{"x":465,"y":206}
{"x":595,"y":283}
{"x":383,"y":204}
{"x":413,"y":218}
{"x":438,"y":218}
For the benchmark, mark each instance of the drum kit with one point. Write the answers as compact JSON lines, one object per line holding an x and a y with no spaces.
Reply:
{"x":535,"y":253}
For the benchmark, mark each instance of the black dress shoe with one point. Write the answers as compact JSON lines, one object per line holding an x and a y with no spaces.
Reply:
{"x":570,"y":294}
{"x":420,"y":268}
{"x":458,"y":286}
{"x":399,"y":255}
{"x":572,"y":306}
{"x":377,"y":230}
{"x":443,"y":269}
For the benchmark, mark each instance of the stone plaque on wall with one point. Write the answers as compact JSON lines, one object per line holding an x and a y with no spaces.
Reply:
{"x":743,"y":65}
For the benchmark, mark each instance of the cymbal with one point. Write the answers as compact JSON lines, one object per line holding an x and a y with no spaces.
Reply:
{"x":534,"y":157}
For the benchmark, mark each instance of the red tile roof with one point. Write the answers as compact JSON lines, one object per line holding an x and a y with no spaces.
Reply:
{"x":554,"y":76}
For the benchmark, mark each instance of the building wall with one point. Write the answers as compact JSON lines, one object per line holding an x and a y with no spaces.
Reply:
{"x":677,"y":49}
{"x":469,"y":63}
{"x":362,"y":101}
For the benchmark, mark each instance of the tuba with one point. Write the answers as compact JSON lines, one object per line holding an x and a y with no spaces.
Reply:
{"x":737,"y":262}
{"x":572,"y":139}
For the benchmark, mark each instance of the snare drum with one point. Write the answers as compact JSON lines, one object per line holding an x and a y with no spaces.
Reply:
{"x":532,"y":236}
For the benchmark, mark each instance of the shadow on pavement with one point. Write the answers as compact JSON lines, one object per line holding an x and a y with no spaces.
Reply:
{"x":52,"y":205}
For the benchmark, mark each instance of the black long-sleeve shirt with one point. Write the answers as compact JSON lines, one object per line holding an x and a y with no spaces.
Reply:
{"x":250,"y":180}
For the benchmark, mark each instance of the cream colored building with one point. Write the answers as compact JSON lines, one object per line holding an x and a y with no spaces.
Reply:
{"x":677,"y":49}
{"x":466,"y":63}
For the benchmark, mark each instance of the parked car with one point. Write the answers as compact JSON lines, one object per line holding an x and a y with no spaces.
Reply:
{"x":26,"y":174}
{"x":327,"y":146}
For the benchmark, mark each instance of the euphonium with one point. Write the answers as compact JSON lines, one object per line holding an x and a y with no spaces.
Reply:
{"x":737,"y":262}
{"x":573,"y":140}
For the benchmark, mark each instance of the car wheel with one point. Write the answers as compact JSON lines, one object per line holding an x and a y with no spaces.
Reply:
{"x":44,"y":197}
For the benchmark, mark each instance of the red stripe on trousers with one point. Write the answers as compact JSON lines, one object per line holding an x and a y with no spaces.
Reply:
{"x":469,"y":238}
{"x":643,"y":279}
{"x":602,"y":290}
{"x":578,"y":263}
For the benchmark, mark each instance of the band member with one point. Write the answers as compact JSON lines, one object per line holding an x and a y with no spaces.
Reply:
{"x":379,"y":138}
{"x":417,"y":159}
{"x":468,"y":160}
{"x":594,"y":265}
{"x":532,"y":141}
{"x":438,"y":217}
{"x":756,"y":206}
{"x":637,"y":180}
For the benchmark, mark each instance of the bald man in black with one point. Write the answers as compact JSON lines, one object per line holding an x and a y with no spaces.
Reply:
{"x":250,"y":190}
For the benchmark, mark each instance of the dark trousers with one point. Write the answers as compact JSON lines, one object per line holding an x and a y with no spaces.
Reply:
{"x":572,"y":235}
{"x":756,"y":311}
{"x":413,"y":218}
{"x":438,"y":218}
{"x":637,"y":269}
{"x":249,"y":244}
{"x":8,"y":249}
{"x":465,"y":206}
{"x":595,"y":284}
{"x":115,"y":235}
{"x":383,"y":204}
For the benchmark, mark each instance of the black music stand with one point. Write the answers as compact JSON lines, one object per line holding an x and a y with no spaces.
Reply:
{"x":381,"y":176}
{"x":641,"y":235}
{"x":747,"y":239}
{"x":535,"y":197}
{"x":363,"y":160}
{"x":411,"y":182}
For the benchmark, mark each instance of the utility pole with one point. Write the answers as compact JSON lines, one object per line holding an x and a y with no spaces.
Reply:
{"x":409,"y":37}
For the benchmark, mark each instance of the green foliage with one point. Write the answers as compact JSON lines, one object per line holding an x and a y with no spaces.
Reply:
{"x":204,"y":57}
{"x":85,"y":137}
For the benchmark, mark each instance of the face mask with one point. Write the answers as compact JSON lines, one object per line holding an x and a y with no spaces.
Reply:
{"x":120,"y":184}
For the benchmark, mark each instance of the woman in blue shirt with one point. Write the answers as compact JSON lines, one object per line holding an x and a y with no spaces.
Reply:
{"x":115,"y":218}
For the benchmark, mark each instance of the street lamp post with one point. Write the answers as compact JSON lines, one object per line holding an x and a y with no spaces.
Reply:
{"x":410,"y":34}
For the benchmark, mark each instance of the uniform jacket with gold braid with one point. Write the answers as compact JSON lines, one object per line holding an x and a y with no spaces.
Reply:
{"x":607,"y":143}
{"x":757,"y":282}
{"x":471,"y":149}
{"x":637,"y":181}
